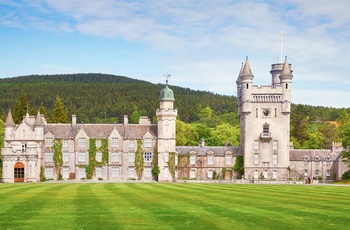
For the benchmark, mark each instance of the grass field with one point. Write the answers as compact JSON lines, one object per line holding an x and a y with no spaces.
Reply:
{"x":173,"y":206}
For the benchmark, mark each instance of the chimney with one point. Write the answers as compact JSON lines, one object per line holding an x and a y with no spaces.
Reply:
{"x":74,"y":120}
{"x":126,"y":120}
{"x":202,"y":143}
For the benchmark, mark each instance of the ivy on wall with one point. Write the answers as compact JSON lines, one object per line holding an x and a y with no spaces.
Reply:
{"x":91,"y":167}
{"x":139,"y":161}
{"x":171,"y":165}
{"x":57,"y":157}
{"x":239,"y":166}
{"x":155,"y":166}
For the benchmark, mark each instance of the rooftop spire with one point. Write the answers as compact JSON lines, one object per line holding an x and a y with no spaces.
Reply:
{"x":246,"y":69}
{"x":38,"y":120}
{"x":286,"y":72}
{"x":167,"y":76}
{"x":9,"y":119}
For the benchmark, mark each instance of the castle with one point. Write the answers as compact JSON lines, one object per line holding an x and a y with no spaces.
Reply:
{"x":35,"y":149}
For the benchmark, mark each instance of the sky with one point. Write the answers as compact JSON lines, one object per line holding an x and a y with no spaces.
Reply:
{"x":201,"y":43}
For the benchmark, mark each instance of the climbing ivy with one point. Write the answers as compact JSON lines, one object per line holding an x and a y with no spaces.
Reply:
{"x":155,"y":167}
{"x":91,"y":167}
{"x":57,"y":157}
{"x":239,"y":167}
{"x":171,"y":165}
{"x":42,"y":174}
{"x":139,"y":161}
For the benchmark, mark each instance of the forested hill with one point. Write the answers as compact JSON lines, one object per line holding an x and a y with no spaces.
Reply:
{"x":97,"y":98}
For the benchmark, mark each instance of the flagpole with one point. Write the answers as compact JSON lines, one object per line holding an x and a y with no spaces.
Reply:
{"x":281,"y":44}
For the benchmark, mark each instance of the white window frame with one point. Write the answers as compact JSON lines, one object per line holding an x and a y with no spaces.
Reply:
{"x":115,"y":171}
{"x":49,"y":157}
{"x":82,"y":173}
{"x":115,"y":142}
{"x":147,"y":172}
{"x":65,"y":157}
{"x":166,"y":157}
{"x":274,"y":145}
{"x":82,"y":157}
{"x":306,"y":173}
{"x":131,"y":173}
{"x":65,"y":143}
{"x":210,"y":159}
{"x":49,"y":142}
{"x":266,"y":174}
{"x":148,"y":143}
{"x":228,"y":159}
{"x":98,"y":156}
{"x":192,"y":159}
{"x":274,"y":159}
{"x":98,"y":143}
{"x":131,"y":157}
{"x":274,"y":174}
{"x":193,"y":174}
{"x":147,"y":156}
{"x":49,"y":173}
{"x":328,"y":173}
{"x":82,"y":142}
{"x":256,"y":145}
{"x":316,"y":172}
{"x":114,"y":157}
{"x":65,"y":172}
{"x":256,"y":158}
{"x":256,"y":174}
{"x":210,"y":174}
{"x":98,"y":172}
{"x":131,"y":144}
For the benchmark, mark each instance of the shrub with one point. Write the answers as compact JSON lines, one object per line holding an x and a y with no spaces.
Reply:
{"x":346,"y":175}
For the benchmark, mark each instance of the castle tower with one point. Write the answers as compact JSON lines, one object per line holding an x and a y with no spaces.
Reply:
{"x":166,"y":117}
{"x":39,"y":127}
{"x":264,"y":113}
{"x":9,"y":127}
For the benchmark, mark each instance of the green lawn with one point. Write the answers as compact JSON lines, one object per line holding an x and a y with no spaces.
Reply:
{"x":173,"y":206}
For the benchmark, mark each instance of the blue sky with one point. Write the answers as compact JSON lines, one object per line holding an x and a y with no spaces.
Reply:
{"x":201,"y":43}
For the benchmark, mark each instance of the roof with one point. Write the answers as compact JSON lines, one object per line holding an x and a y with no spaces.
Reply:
{"x":201,"y":151}
{"x":9,"y":120}
{"x":38,"y":120}
{"x":299,"y":154}
{"x":166,"y":94}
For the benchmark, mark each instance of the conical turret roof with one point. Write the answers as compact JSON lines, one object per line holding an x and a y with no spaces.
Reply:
{"x":38,"y":120}
{"x":286,"y":72}
{"x":239,"y":75}
{"x":9,"y":120}
{"x":246,"y":69}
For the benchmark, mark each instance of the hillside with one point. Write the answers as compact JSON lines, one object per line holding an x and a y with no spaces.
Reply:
{"x":93,"y":97}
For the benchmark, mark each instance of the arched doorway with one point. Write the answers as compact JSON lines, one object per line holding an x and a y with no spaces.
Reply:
{"x":19,"y":172}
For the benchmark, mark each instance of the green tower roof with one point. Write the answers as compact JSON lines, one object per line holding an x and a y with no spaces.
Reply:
{"x":166,"y":94}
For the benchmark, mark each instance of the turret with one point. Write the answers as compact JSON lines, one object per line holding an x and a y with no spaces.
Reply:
{"x":286,"y":84}
{"x":39,"y":127}
{"x":246,"y":85}
{"x":9,"y":126}
{"x":166,"y":117}
{"x":239,"y":88}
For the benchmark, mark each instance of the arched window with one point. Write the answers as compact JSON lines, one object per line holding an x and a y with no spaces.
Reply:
{"x":19,"y":172}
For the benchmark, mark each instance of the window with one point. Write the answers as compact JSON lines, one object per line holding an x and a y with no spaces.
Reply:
{"x":210,"y":159}
{"x":98,"y":143}
{"x":65,"y":157}
{"x":210,"y":174}
{"x":131,"y":144}
{"x":317,"y":160}
{"x":328,"y":160}
{"x":131,"y":157}
{"x":131,"y":173}
{"x":148,"y":156}
{"x":256,"y":174}
{"x":48,"y":141}
{"x":147,"y":172}
{"x":115,"y":172}
{"x":115,"y":142}
{"x":306,"y":159}
{"x":114,"y":157}
{"x":65,"y":143}
{"x":316,"y":172}
{"x":65,"y":172}
{"x":256,"y":145}
{"x":166,"y":173}
{"x":176,"y":173}
{"x":24,"y":146}
{"x":328,"y":173}
{"x":274,"y":174}
{"x":166,"y":145}
{"x":98,"y":171}
{"x":193,"y":159}
{"x":49,"y":173}
{"x":82,"y":142}
{"x":49,"y":157}
{"x":305,"y":172}
{"x":275,"y":145}
{"x":228,"y":159}
{"x":166,"y":157}
{"x":148,"y":143}
{"x":266,"y":129}
{"x":82,"y":157}
{"x":82,"y":173}
{"x":99,"y":156}
{"x":266,"y":175}
{"x":274,"y":159}
{"x":193,"y":174}
{"x":256,"y":158}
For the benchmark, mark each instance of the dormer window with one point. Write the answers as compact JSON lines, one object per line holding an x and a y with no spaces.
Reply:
{"x":306,"y":159}
{"x":148,"y":143}
{"x":49,"y":142}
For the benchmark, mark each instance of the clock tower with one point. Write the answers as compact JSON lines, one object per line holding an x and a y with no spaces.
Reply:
{"x":264,"y":113}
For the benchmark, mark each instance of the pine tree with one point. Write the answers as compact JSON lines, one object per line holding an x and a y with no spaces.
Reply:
{"x":59,"y":114}
{"x":21,"y":107}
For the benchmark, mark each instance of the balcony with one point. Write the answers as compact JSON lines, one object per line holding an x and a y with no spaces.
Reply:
{"x":266,"y":136}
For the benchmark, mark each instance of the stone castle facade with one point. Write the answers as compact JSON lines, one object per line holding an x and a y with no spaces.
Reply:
{"x":119,"y":152}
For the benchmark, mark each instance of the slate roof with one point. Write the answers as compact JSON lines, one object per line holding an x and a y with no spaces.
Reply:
{"x":298,"y":154}
{"x":218,"y":150}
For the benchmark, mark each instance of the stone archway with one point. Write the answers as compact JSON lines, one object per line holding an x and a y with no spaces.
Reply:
{"x":18,"y":172}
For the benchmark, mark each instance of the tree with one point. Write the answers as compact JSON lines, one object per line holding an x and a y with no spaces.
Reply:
{"x":224,"y":134}
{"x":185,"y":134}
{"x":299,"y":124}
{"x":21,"y":107}
{"x":206,"y":112}
{"x":314,"y":141}
{"x":42,"y":110}
{"x":59,"y":114}
{"x":330,"y":134}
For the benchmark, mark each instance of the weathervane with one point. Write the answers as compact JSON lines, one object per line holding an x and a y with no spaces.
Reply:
{"x":167,"y":76}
